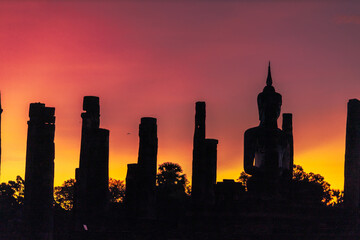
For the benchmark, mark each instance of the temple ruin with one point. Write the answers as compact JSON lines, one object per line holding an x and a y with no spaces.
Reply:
{"x":287,"y":128}
{"x":92,"y":176}
{"x":352,"y":156}
{"x":141,"y":177}
{"x":39,"y":173}
{"x":204,"y":161}
{"x":266,"y":203}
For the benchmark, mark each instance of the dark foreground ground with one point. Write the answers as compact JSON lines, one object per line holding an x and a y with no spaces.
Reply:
{"x":247,"y":218}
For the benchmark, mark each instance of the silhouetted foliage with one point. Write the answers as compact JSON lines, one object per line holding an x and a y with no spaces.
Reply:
{"x":337,"y":198}
{"x":13,"y":191}
{"x":310,"y":187}
{"x":172,"y":189}
{"x":310,"y":184}
{"x":7,"y":198}
{"x":11,"y":201}
{"x":64,"y":194}
{"x":188,"y":189}
{"x":329,"y":197}
{"x":243,"y":179}
{"x":170,"y":179}
{"x":117,"y":190}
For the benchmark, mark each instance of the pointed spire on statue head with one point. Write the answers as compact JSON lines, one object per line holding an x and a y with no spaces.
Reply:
{"x":269,"y":79}
{"x":269,"y":98}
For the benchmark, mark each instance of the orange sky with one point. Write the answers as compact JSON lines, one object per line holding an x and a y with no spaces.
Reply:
{"x":157,"y":58}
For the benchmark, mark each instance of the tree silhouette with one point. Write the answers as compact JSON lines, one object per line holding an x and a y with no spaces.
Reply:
{"x":310,"y":185}
{"x":117,"y":190}
{"x":170,"y":179}
{"x":328,"y":196}
{"x":11,"y":201}
{"x":337,"y":198}
{"x":243,"y":179}
{"x":172,"y":188}
{"x":64,"y":194}
{"x":12,"y":192}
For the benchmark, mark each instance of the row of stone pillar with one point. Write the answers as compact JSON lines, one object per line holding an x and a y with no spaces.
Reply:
{"x":91,"y":195}
{"x":140,"y":197}
{"x":91,"y":190}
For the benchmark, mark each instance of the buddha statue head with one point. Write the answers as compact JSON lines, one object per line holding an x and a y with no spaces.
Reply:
{"x":269,"y":103}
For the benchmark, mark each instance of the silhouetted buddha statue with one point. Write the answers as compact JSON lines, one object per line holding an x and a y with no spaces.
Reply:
{"x":268,"y":146}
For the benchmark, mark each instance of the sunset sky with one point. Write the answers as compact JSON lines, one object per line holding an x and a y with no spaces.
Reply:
{"x":157,"y":58}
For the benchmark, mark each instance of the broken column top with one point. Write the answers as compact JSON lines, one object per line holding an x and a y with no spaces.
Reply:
{"x":41,"y":114}
{"x":354,"y":110}
{"x":354,"y":101}
{"x":132,"y":170}
{"x":200,"y":106}
{"x":91,"y":116}
{"x":148,"y":121}
{"x":212,"y":141}
{"x":200,"y":115}
{"x":287,"y":116}
{"x":132,"y":165}
{"x":91,"y":104}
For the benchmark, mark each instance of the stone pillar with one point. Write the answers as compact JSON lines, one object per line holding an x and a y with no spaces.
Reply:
{"x":200,"y":115}
{"x":210,"y":170}
{"x":131,"y":190}
{"x":140,"y":197}
{"x":148,"y":147}
{"x":198,"y":152}
{"x":147,"y":167}
{"x":39,"y":173}
{"x":92,"y":177}
{"x":352,"y":156}
{"x":204,"y":162}
{"x":287,"y":127}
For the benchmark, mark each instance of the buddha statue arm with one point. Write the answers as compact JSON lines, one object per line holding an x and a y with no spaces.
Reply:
{"x":249,"y":153}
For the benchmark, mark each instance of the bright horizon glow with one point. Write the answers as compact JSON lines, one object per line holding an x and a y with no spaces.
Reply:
{"x":158,"y":58}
